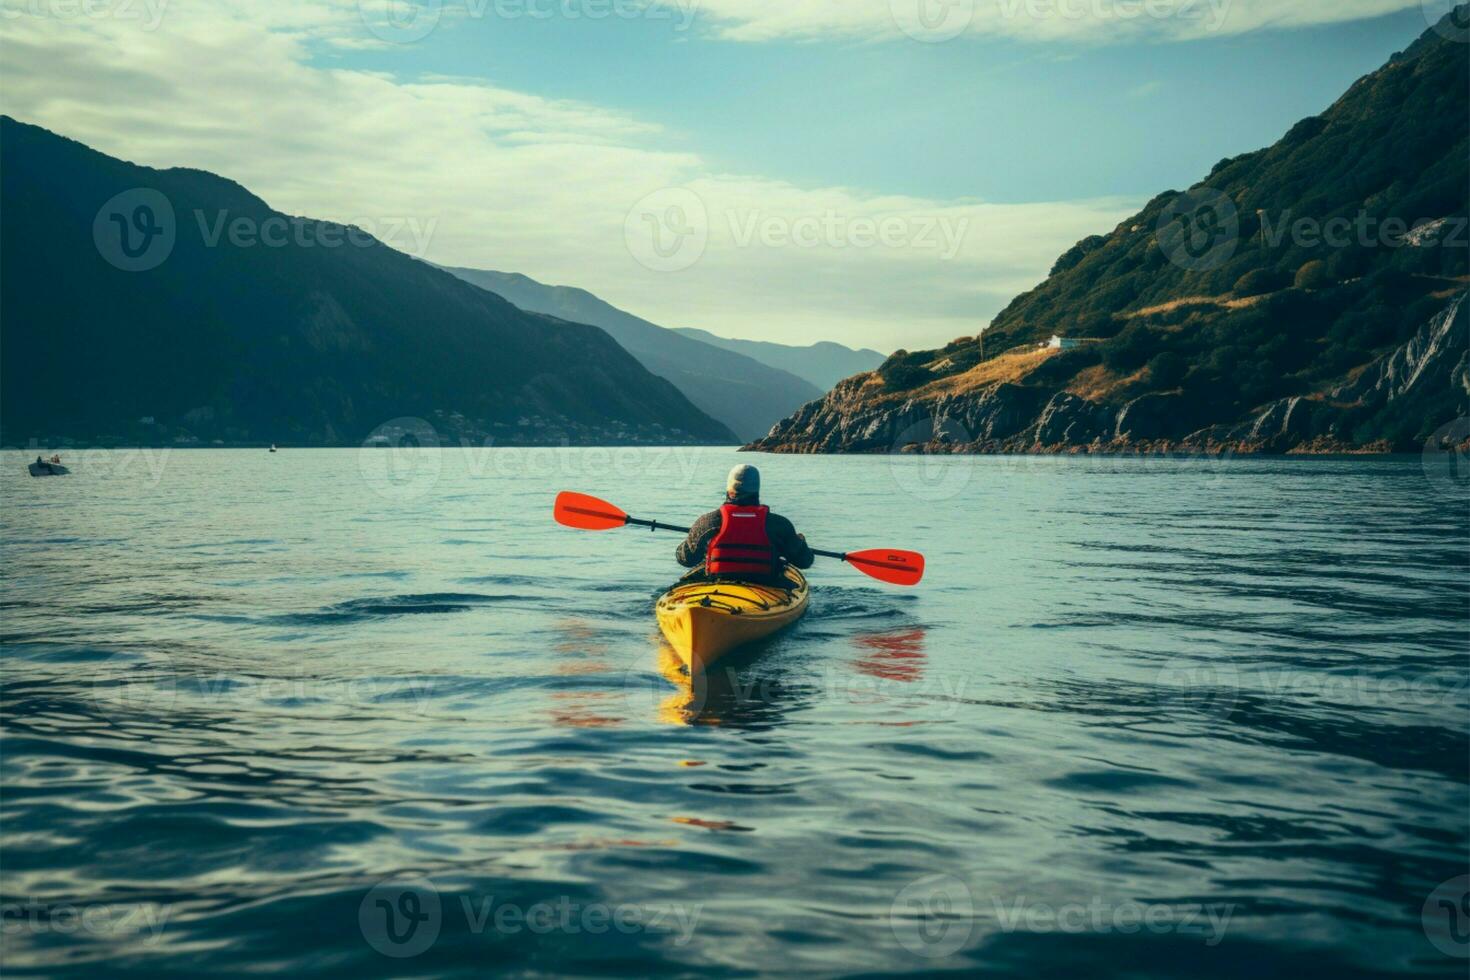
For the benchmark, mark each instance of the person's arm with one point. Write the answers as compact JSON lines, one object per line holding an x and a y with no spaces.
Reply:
{"x":692,"y":550}
{"x":789,"y":545}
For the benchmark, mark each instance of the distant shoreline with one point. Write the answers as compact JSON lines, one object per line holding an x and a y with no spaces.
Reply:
{"x":1178,"y":454}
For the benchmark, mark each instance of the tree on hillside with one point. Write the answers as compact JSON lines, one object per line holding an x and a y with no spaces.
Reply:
{"x":1313,"y":275}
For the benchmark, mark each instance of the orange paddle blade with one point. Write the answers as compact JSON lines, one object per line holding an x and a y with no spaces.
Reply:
{"x":894,"y":567}
{"x":587,"y":513}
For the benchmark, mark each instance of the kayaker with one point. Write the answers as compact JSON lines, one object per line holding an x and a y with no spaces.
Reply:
{"x":743,"y":540}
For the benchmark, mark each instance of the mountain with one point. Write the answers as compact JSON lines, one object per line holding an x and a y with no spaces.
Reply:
{"x":822,"y":364}
{"x":174,"y":305}
{"x":1307,"y":297}
{"x":743,"y":393}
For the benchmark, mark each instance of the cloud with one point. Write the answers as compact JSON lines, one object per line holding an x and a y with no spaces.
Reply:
{"x":1084,"y":21}
{"x":473,"y":174}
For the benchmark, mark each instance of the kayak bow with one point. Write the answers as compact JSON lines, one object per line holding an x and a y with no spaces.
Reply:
{"x":704,"y":621}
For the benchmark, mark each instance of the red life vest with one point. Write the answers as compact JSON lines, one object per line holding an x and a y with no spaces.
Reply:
{"x":742,"y":548}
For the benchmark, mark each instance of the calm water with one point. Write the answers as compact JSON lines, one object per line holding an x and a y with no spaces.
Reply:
{"x":377,"y":715}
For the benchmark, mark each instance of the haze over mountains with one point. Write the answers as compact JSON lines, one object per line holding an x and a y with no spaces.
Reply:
{"x":144,"y":305}
{"x":746,"y":393}
{"x":822,"y":364}
{"x":1308,"y":297}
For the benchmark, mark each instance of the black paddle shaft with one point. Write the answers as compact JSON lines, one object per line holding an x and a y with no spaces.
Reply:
{"x":656,"y":526}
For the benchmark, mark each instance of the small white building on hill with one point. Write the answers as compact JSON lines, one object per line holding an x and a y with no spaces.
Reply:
{"x":1061,"y":343}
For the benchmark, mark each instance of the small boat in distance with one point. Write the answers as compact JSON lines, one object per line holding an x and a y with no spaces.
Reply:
{"x":48,"y":467}
{"x":273,"y":447}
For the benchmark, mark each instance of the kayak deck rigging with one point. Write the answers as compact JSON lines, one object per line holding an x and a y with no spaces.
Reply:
{"x":759,"y":598}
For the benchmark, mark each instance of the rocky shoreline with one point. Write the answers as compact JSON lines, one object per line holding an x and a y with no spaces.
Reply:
{"x":1011,"y":418}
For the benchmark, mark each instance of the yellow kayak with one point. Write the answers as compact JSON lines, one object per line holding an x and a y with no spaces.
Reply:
{"x":706,"y":620}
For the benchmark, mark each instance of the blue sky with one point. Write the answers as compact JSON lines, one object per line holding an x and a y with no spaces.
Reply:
{"x":788,"y":170}
{"x":1003,"y":119}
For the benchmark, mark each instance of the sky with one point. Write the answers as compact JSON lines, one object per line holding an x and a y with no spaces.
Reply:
{"x":881,"y":173}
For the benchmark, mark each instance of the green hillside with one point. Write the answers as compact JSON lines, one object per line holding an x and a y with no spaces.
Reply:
{"x":1288,"y":272}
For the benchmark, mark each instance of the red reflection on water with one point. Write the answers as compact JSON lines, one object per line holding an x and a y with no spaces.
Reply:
{"x":896,"y":657}
{"x":579,"y":709}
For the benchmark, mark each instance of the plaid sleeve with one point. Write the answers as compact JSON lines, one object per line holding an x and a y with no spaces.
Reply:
{"x":788,"y":544}
{"x":692,"y":549}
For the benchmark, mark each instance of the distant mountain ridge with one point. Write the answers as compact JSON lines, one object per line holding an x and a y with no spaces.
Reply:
{"x":1307,"y":297}
{"x":126,"y":320}
{"x":823,"y":364}
{"x":740,"y":391}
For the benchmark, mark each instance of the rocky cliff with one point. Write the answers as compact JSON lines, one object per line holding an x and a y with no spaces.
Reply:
{"x":1424,"y":378}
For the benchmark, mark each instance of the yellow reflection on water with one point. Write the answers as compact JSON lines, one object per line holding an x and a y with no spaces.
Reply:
{"x":682,"y":707}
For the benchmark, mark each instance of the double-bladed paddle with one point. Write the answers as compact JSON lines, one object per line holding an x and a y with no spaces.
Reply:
{"x":577,"y":510}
